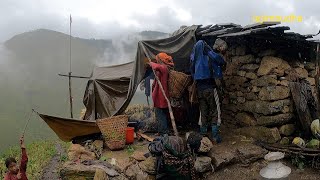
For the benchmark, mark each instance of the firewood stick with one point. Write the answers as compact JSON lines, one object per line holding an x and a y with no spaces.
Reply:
{"x":173,"y":122}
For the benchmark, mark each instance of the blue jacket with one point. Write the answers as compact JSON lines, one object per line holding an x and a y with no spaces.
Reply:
{"x":199,"y":60}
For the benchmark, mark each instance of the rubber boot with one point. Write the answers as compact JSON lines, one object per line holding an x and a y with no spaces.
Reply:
{"x":215,"y":134}
{"x":203,"y":130}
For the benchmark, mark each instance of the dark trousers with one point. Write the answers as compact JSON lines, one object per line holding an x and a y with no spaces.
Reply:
{"x":162,"y":120}
{"x":208,"y":107}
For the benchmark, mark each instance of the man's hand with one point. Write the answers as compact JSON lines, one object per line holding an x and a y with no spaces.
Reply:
{"x":19,"y":175}
{"x":22,"y":145}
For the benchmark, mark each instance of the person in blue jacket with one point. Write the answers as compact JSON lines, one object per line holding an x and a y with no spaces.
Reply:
{"x":205,"y":68}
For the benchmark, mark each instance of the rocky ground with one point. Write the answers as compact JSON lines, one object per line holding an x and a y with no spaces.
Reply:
{"x":236,"y":157}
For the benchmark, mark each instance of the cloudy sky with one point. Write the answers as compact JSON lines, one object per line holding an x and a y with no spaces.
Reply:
{"x":106,"y":18}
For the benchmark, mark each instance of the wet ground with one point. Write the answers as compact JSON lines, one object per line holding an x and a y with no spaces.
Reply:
{"x":51,"y":170}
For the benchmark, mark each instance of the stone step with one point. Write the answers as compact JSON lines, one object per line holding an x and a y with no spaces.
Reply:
{"x":225,"y":154}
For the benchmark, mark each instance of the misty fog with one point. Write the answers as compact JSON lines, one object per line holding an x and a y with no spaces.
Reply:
{"x":34,"y":45}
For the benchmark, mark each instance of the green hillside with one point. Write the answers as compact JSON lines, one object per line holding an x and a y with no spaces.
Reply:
{"x":30,"y":63}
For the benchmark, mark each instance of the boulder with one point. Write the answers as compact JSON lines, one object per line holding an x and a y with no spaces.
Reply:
{"x":246,"y":119}
{"x":132,"y":171}
{"x":221,"y":156}
{"x":72,"y":170}
{"x":297,"y":64}
{"x":251,"y":75}
{"x":241,"y":73}
{"x":203,"y":164}
{"x":78,"y":152}
{"x":279,"y":119}
{"x":285,"y":141}
{"x":286,"y":109}
{"x":265,"y":81}
{"x":241,"y":100}
{"x":232,"y":95}
{"x":310,"y":66}
{"x":232,"y":51}
{"x":245,"y":89}
{"x":312,"y":73}
{"x":312,"y":81}
{"x":278,"y":72}
{"x":268,"y":52}
{"x":249,"y":67}
{"x":302,"y":73}
{"x":258,"y":60}
{"x":251,"y":96}
{"x":120,"y":177}
{"x":239,"y":152}
{"x":287,"y":129}
{"x":241,"y":50}
{"x":100,"y":175}
{"x":272,"y":93}
{"x":206,"y":145}
{"x":250,"y":153}
{"x":269,"y":63}
{"x":263,"y":107}
{"x":231,"y":107}
{"x":139,"y":156}
{"x":269,"y":135}
{"x":284,"y":83}
{"x":231,"y":69}
{"x":148,"y":165}
{"x":247,"y":59}
{"x":255,"y":89}
{"x":145,"y":176}
{"x":235,"y":80}
{"x":240,"y":94}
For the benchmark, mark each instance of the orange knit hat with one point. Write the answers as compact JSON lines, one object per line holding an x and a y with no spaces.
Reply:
{"x":164,"y":58}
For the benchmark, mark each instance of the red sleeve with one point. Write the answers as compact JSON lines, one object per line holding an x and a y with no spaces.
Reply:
{"x":6,"y":177}
{"x":24,"y":160}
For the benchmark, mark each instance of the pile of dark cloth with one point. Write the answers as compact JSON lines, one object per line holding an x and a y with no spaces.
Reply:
{"x":175,"y":158}
{"x":142,"y":117}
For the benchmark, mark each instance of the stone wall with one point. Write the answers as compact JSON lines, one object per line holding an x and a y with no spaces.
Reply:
{"x":257,"y":92}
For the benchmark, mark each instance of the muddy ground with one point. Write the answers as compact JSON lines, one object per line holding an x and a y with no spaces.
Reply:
{"x":51,"y":170}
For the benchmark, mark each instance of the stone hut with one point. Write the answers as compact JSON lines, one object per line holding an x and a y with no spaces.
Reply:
{"x":257,"y":94}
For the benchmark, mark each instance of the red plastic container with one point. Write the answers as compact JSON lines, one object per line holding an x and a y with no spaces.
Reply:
{"x":129,"y":135}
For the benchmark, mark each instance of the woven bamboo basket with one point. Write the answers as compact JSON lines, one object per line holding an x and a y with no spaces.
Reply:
{"x":177,"y":83}
{"x":113,"y":130}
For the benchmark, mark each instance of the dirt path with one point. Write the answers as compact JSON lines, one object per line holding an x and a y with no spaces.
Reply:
{"x":51,"y":170}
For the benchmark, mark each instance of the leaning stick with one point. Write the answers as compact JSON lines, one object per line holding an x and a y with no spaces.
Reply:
{"x":173,"y":122}
{"x":25,"y":127}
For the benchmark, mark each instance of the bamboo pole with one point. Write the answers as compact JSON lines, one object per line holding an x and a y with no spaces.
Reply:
{"x":70,"y":91}
{"x":173,"y":122}
{"x":317,"y":76}
{"x":25,"y":127}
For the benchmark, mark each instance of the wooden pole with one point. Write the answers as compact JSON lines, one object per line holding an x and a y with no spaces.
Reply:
{"x":317,"y":77}
{"x":70,"y":95}
{"x":25,"y":127}
{"x":173,"y":122}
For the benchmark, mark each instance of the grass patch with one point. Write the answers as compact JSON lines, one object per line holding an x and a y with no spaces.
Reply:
{"x":39,"y":153}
